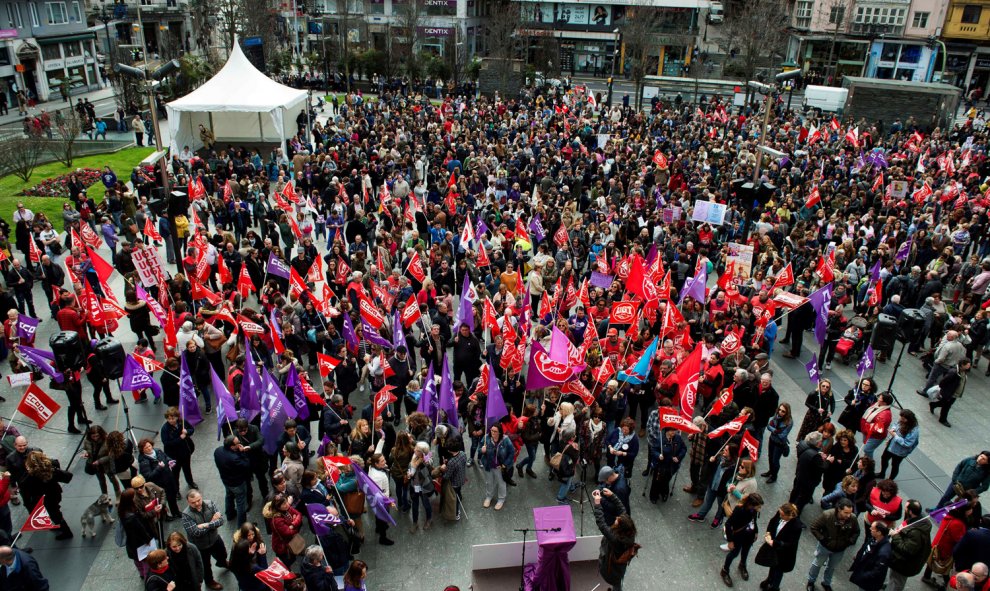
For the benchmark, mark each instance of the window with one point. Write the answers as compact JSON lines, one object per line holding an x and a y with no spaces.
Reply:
{"x":57,"y":15}
{"x":836,"y":15}
{"x":971,"y":14}
{"x":802,"y":14}
{"x":879,"y":16}
{"x":920,"y":20}
{"x":51,"y":52}
{"x":5,"y":56}
{"x":14,"y":15}
{"x":72,"y":49}
{"x":76,"y":13}
{"x":35,"y":19}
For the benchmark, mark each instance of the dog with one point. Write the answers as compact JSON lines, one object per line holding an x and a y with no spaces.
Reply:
{"x":100,"y":507}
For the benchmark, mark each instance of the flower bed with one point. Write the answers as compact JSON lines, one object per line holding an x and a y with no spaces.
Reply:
{"x":57,"y":186}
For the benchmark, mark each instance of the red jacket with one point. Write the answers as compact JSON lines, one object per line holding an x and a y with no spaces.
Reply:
{"x":877,"y":428}
{"x":284,"y":527}
{"x":949,"y":533}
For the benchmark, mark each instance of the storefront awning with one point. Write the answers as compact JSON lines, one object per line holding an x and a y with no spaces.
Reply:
{"x":66,"y":38}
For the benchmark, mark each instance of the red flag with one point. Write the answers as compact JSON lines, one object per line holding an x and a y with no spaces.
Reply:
{"x":785,"y":278}
{"x":521,"y":232}
{"x":411,"y":312}
{"x":39,"y":520}
{"x":370,"y":313}
{"x":852,"y":136}
{"x":834,"y":123}
{"x":343,"y":271}
{"x":244,"y":284}
{"x":224,"y":314}
{"x":150,"y":231}
{"x":289,"y":192}
{"x":415,"y":267}
{"x":605,"y":371}
{"x":200,"y":292}
{"x":223,"y":272}
{"x":315,"y":273}
{"x":814,"y":198}
{"x":576,"y":387}
{"x":89,"y":236}
{"x":249,"y":326}
{"x":825,"y":267}
{"x":731,"y":341}
{"x":688,"y":375}
{"x":659,"y":159}
{"x":34,"y":253}
{"x":277,"y":345}
{"x":150,"y":365}
{"x":452,"y":181}
{"x":877,"y":183}
{"x":730,"y":428}
{"x":37,"y":406}
{"x":483,"y":260}
{"x":875,"y":294}
{"x":751,"y":446}
{"x":671,"y":419}
{"x":724,"y":399}
{"x":623,"y":312}
{"x":103,"y":268}
{"x":383,"y":398}
{"x":170,"y":340}
{"x":326,"y":363}
{"x":274,"y":575}
{"x":296,"y":283}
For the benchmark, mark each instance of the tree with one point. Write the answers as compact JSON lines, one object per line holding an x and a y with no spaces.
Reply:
{"x":757,"y":30}
{"x":456,"y":54}
{"x":503,"y":41}
{"x":410,"y":18}
{"x":67,"y":126}
{"x":20,"y":154}
{"x":639,"y":33}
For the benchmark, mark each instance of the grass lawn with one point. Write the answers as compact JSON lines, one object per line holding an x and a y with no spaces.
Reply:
{"x":121,"y":162}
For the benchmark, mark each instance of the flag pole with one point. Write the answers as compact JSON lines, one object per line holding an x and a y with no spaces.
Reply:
{"x":9,"y":421}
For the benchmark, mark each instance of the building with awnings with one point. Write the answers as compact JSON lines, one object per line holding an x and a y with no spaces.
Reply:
{"x":45,"y":45}
{"x":967,"y":38}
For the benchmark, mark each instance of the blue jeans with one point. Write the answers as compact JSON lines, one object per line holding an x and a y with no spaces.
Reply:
{"x":401,"y":494}
{"x":740,"y":550}
{"x":710,"y":498}
{"x":830,"y":559}
{"x":236,"y":500}
{"x":775,"y":453}
{"x":416,"y":497}
{"x":527,"y":462}
{"x":564,"y":490}
{"x":475,"y":446}
{"x":871,"y":446}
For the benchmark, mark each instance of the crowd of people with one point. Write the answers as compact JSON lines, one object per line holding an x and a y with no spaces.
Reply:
{"x":476,"y":282}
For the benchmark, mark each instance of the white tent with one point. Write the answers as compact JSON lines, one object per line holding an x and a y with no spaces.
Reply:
{"x":239,"y":104}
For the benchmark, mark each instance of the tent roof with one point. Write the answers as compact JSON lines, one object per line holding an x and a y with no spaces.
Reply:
{"x":239,"y":87}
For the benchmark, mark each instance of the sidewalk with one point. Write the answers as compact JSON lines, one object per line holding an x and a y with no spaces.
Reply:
{"x":103,"y":99}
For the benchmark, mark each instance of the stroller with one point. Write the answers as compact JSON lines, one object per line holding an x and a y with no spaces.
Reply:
{"x":853,"y":339}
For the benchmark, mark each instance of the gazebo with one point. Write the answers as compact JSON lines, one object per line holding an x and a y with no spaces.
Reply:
{"x":239,"y":105}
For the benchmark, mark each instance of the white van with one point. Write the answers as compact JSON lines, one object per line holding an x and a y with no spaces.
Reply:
{"x":716,"y":13}
{"x":825,"y":98}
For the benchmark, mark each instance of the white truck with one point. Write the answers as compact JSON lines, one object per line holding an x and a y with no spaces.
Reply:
{"x":825,"y":98}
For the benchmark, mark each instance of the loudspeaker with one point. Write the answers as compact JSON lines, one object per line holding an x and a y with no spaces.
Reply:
{"x":67,"y":348}
{"x":910,"y":324}
{"x":111,"y":355}
{"x":884,"y":333}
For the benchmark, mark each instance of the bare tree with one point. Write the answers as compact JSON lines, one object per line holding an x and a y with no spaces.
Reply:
{"x":456,"y":54}
{"x":20,"y":155}
{"x":757,"y":30}
{"x":65,"y":131}
{"x":503,"y":41}
{"x":405,"y":43}
{"x":639,"y":33}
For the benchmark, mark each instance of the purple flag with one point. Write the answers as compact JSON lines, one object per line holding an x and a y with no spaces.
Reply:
{"x":350,"y":337}
{"x":321,"y":519}
{"x":480,"y":228}
{"x":495,"y":405}
{"x":372,"y":336}
{"x":377,"y":500}
{"x":904,"y":251}
{"x":601,"y":280}
{"x":812,"y":369}
{"x":695,"y":287}
{"x":323,"y":445}
{"x":821,"y":301}
{"x":558,"y":345}
{"x":40,"y":359}
{"x":277,"y":267}
{"x":875,"y":272}
{"x":398,"y":337}
{"x":465,"y":311}
{"x":39,"y":353}
{"x":275,"y":410}
{"x":250,"y":385}
{"x":136,"y":378}
{"x":144,"y":297}
{"x":188,"y":403}
{"x":536,"y":226}
{"x":543,"y":372}
{"x":276,"y":322}
{"x":26,"y":327}
{"x":939,"y":514}
{"x":299,"y":397}
{"x":448,"y":403}
{"x":652,"y":255}
{"x":867,"y":363}
{"x":428,"y":398}
{"x":226,"y":410}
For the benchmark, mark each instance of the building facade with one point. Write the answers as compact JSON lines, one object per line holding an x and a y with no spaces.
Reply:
{"x":887,"y":39}
{"x":967,"y":37}
{"x":45,"y":45}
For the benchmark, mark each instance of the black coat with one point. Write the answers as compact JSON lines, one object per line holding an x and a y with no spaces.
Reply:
{"x":785,"y":543}
{"x":741,"y":527}
{"x":27,"y":578}
{"x":137,"y":532}
{"x":810,"y":467}
{"x":234,"y":466}
{"x":869,"y":568}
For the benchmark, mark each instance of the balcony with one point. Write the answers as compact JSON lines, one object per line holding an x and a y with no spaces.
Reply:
{"x":875,"y":30}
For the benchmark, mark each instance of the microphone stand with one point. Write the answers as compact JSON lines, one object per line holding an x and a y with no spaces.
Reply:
{"x":522,"y":562}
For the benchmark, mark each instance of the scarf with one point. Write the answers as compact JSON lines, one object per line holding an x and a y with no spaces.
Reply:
{"x":623,"y":439}
{"x":873,"y":411}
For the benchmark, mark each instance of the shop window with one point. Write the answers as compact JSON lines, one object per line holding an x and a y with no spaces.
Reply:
{"x":51,"y":52}
{"x":920,"y":20}
{"x":72,"y":49}
{"x":971,"y":14}
{"x":57,"y":14}
{"x":5,"y":56}
{"x":911,"y":54}
{"x":374,"y":7}
{"x":889,"y":52}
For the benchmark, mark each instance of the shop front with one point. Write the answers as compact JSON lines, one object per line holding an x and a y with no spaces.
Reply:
{"x":900,"y":60}
{"x":69,"y":61}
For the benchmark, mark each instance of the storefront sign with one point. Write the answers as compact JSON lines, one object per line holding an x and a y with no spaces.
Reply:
{"x":8,"y":33}
{"x":983,"y":63}
{"x":435,"y":31}
{"x":438,"y":3}
{"x":54,"y":65}
{"x":75,"y":61}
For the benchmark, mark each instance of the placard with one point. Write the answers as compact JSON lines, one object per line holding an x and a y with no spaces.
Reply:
{"x":898,"y":188}
{"x":149,"y":266}
{"x":741,"y":255}
{"x":708,"y":212}
{"x":19,"y":379}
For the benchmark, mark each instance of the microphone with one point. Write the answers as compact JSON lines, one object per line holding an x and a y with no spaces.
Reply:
{"x":554,"y":529}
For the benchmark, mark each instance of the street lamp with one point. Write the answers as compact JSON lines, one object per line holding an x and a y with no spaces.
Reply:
{"x":105,"y":16}
{"x":615,"y":58}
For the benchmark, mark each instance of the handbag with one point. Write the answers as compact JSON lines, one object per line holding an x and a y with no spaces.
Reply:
{"x":786,"y":450}
{"x":234,"y":352}
{"x":727,"y":508}
{"x":939,"y":565}
{"x":354,"y":503}
{"x":216,"y":342}
{"x":765,"y":556}
{"x":297,"y":545}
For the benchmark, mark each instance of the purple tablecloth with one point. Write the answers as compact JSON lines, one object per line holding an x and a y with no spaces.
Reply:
{"x":552,"y":571}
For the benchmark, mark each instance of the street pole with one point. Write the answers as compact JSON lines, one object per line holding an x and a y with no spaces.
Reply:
{"x":763,"y":132}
